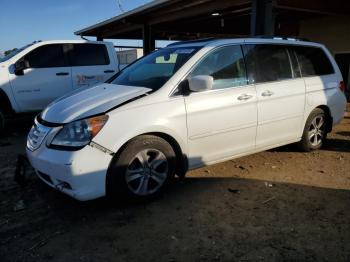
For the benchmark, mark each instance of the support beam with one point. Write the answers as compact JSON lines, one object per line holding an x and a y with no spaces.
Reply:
{"x":149,"y":43}
{"x":262,"y":21}
{"x":270,"y":18}
{"x":99,"y":38}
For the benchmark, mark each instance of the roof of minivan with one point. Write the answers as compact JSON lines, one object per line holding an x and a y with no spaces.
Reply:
{"x":216,"y":42}
{"x":78,"y":41}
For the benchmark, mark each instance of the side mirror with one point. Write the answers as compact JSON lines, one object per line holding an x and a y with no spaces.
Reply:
{"x":20,"y":65}
{"x":200,"y":83}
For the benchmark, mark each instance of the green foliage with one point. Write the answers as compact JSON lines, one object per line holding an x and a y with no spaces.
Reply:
{"x":9,"y":51}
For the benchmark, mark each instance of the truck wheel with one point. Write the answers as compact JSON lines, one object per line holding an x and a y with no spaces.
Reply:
{"x":315,"y":131}
{"x":142,"y":170}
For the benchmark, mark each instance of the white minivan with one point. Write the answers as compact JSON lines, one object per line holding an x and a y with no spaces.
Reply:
{"x":35,"y":75}
{"x":185,"y":106}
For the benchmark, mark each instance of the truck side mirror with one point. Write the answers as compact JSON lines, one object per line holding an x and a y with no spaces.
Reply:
{"x":20,"y":65}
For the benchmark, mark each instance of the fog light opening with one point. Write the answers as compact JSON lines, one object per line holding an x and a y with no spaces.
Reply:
{"x":63,"y":185}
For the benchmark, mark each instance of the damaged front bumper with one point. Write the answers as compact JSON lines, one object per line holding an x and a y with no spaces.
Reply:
{"x":80,"y":174}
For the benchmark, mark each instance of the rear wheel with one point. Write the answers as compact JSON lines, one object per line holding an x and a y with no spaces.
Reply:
{"x":143,"y":168}
{"x":315,"y":131}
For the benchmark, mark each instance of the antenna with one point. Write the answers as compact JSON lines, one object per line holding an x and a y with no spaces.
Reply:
{"x":120,"y":6}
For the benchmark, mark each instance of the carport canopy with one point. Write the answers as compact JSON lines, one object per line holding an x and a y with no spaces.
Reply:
{"x":193,"y":19}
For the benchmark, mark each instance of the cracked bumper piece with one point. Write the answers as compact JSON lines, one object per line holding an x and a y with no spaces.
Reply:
{"x":80,"y":174}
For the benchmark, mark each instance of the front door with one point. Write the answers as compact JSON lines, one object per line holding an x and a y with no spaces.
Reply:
{"x":221,"y":122}
{"x":47,"y":77}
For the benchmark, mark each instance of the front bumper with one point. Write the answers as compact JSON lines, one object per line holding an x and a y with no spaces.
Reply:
{"x":80,"y":174}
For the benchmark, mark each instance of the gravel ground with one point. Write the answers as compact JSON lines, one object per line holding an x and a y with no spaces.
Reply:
{"x":278,"y":205}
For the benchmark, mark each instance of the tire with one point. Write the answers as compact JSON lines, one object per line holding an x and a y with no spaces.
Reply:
{"x":142,"y":170}
{"x":2,"y":121}
{"x":315,"y":131}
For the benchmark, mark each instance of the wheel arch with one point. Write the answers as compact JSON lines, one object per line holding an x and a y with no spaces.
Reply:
{"x":5,"y":103}
{"x":329,"y":118}
{"x":181,"y":157}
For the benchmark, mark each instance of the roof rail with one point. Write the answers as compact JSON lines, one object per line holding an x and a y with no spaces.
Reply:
{"x":282,"y":38}
{"x":193,"y":41}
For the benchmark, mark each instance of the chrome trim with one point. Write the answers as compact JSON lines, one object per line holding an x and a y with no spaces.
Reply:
{"x":36,"y":136}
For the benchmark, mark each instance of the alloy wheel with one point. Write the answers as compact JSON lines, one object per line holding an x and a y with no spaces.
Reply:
{"x":146,"y":172}
{"x":317,"y":130}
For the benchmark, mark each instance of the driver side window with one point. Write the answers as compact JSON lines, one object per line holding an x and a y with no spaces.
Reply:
{"x":46,"y":56}
{"x":225,"y":65}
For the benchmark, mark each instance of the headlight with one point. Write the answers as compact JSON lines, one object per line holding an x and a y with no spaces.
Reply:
{"x":79,"y":133}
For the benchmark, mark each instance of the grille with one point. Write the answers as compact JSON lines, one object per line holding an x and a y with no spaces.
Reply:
{"x":36,"y":136}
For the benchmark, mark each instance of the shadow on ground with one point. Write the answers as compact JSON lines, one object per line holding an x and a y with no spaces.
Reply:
{"x":198,"y":219}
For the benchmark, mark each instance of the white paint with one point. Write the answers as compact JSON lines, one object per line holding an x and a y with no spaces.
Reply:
{"x":210,"y":126}
{"x":38,"y":87}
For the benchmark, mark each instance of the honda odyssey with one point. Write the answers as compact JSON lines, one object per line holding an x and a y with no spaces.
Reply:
{"x":187,"y":105}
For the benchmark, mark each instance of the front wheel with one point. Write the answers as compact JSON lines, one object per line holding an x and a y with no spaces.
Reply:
{"x":143,"y":168}
{"x":315,"y":131}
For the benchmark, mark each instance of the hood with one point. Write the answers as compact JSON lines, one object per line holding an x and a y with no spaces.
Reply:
{"x":92,"y":101}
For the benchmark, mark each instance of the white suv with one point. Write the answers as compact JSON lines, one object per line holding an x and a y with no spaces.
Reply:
{"x":185,"y":106}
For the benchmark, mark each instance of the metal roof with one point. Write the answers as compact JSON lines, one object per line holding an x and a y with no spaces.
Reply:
{"x":176,"y":19}
{"x":121,"y":16}
{"x":192,"y":19}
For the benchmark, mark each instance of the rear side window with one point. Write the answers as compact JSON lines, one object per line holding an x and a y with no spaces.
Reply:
{"x":266,"y":63}
{"x":313,"y":61}
{"x":89,"y":55}
{"x":46,"y":56}
{"x":225,"y":65}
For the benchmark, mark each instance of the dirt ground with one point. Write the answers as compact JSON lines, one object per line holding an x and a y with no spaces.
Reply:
{"x":279,"y":205}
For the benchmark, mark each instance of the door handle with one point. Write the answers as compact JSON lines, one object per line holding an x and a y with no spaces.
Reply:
{"x":244,"y":97}
{"x":109,"y":71}
{"x":267,"y":93}
{"x":62,"y":74}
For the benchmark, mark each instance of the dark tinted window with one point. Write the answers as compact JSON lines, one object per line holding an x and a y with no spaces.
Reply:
{"x":89,"y":54}
{"x":313,"y":61}
{"x":267,"y":63}
{"x":225,"y":65}
{"x":46,"y":56}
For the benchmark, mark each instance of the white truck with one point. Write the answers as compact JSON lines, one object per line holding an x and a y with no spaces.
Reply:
{"x":36,"y":74}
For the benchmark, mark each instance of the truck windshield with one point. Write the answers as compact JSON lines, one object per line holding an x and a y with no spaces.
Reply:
{"x":155,"y":69}
{"x":14,"y":52}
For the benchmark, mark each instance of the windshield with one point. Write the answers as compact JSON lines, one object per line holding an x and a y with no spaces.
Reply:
{"x":14,"y":52}
{"x":155,"y":69}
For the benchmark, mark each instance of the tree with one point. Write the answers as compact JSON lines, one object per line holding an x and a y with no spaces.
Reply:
{"x":9,"y":51}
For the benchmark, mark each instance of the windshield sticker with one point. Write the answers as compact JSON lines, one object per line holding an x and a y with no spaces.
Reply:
{"x":184,"y":51}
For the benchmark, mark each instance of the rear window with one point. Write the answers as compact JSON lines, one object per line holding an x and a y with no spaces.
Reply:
{"x":313,"y":61}
{"x":266,"y":63}
{"x":89,"y":55}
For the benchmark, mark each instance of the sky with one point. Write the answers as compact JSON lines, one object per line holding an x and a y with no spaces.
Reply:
{"x":24,"y":21}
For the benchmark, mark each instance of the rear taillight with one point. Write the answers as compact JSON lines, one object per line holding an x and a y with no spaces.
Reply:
{"x":342,"y":86}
